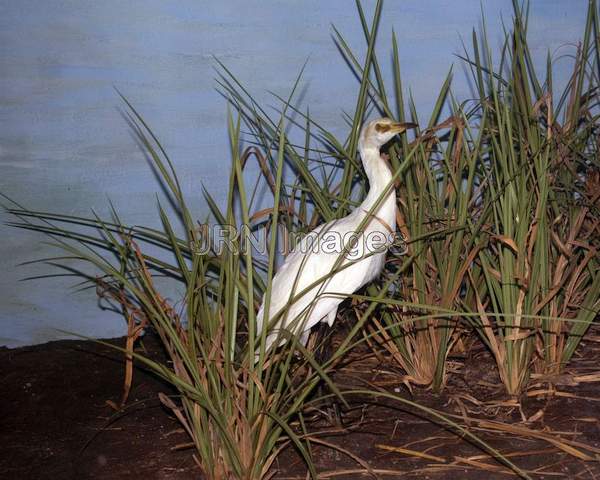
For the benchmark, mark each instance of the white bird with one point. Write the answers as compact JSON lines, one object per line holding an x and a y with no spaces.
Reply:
{"x":321,"y":251}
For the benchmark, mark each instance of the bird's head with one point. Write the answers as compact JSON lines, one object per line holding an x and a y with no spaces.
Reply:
{"x":378,"y":132}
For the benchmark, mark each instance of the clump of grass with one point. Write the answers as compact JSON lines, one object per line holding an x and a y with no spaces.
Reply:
{"x":239,"y":411}
{"x":536,"y":285}
{"x":434,"y":202}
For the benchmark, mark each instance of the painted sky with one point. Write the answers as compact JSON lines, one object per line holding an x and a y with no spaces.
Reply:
{"x":64,"y":145}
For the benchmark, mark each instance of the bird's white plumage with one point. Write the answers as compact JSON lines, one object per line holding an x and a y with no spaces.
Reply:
{"x":304,"y":266}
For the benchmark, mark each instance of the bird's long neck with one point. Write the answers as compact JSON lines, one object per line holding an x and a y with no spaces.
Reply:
{"x":380,"y":178}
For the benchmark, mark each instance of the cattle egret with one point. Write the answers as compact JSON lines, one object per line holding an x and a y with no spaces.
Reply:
{"x":326,"y":249}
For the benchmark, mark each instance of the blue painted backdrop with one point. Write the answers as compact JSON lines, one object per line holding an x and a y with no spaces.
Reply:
{"x":65,"y":147}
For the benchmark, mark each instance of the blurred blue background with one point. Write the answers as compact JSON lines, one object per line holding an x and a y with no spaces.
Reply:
{"x":64,"y":145}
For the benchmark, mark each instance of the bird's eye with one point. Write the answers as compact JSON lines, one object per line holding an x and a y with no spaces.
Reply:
{"x":382,"y":127}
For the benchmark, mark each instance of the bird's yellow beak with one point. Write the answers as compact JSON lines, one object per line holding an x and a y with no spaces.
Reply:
{"x":402,"y":127}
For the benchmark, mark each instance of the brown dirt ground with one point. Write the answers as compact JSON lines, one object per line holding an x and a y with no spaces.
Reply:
{"x":56,"y":423}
